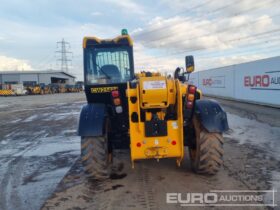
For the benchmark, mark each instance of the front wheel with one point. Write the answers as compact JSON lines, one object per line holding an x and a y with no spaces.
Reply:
{"x":206,"y":154}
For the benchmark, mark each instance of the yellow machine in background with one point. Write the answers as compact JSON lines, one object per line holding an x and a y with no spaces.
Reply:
{"x":34,"y":89}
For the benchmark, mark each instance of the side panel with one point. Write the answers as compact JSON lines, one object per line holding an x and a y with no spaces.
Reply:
{"x":91,"y":120}
{"x":211,"y":115}
{"x":259,"y":81}
{"x":253,"y":82}
{"x":218,"y":82}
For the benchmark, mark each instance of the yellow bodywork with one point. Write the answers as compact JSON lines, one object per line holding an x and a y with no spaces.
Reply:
{"x":6,"y":93}
{"x":35,"y":90}
{"x":154,"y":94}
{"x":115,"y":40}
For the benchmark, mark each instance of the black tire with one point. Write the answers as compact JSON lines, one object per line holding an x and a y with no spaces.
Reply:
{"x":207,"y":154}
{"x":95,"y":156}
{"x":29,"y":92}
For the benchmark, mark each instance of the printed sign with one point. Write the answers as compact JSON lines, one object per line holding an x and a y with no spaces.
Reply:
{"x":270,"y":80}
{"x":254,"y":82}
{"x":214,"y":82}
{"x":151,"y":85}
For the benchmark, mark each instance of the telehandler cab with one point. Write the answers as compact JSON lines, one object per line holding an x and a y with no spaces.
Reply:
{"x":152,"y":115}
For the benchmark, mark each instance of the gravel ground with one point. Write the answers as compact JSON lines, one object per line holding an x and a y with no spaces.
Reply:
{"x":38,"y":146}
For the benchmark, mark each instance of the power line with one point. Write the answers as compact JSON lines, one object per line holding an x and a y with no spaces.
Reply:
{"x":185,"y":11}
{"x":203,"y":48}
{"x":63,"y":53}
{"x":264,"y":50}
{"x":165,"y":36}
{"x":225,"y":29}
{"x":225,"y":42}
{"x":268,"y":48}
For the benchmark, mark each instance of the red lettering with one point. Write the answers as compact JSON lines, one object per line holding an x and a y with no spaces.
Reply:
{"x":265,"y":80}
{"x":207,"y":82}
{"x":257,"y":81}
{"x":246,"y":81}
{"x":204,"y":82}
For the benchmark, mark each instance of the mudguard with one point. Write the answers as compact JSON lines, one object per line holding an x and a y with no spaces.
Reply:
{"x":91,"y":120}
{"x":211,"y":115}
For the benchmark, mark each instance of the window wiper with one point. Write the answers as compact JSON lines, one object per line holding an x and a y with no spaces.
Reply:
{"x":99,"y":68}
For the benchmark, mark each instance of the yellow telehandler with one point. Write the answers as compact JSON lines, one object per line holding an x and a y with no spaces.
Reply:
{"x":153,"y":115}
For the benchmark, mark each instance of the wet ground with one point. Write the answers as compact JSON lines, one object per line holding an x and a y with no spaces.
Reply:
{"x":38,"y":147}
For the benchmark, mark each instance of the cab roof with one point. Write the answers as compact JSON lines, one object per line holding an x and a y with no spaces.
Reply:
{"x":122,"y":40}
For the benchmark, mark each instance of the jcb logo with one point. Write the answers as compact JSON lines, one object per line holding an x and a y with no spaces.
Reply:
{"x":103,"y":89}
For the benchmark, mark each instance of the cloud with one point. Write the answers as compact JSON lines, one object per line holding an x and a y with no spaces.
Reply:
{"x":127,"y":6}
{"x":165,"y":41}
{"x":167,"y":64}
{"x":210,"y":62}
{"x":37,"y":44}
{"x":8,"y":63}
{"x":96,"y":13}
{"x":146,"y":61}
{"x":164,"y":31}
{"x":179,"y":33}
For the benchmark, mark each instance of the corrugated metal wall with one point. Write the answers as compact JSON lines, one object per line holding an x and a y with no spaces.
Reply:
{"x":34,"y":77}
{"x":8,"y":78}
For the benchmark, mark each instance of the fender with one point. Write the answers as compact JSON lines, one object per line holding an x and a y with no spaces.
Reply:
{"x":91,"y":120}
{"x":211,"y":115}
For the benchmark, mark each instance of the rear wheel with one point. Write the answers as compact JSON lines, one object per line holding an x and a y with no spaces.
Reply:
{"x":207,"y":152}
{"x":95,"y":156}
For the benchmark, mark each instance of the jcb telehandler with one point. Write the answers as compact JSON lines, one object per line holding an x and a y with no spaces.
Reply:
{"x":152,"y":115}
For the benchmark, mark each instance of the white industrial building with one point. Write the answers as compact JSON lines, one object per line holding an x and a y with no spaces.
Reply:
{"x":36,"y":77}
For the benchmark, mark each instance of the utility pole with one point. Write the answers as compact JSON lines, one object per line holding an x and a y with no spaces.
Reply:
{"x":63,"y":51}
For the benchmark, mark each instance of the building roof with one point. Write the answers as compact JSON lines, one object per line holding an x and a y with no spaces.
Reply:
{"x":37,"y":72}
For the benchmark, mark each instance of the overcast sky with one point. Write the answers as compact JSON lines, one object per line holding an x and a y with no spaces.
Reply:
{"x":216,"y":32}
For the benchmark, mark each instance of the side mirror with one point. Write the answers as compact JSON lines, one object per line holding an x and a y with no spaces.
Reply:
{"x":189,"y":64}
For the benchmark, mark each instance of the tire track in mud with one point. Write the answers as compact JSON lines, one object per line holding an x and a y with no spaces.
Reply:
{"x":144,"y":187}
{"x":145,"y":182}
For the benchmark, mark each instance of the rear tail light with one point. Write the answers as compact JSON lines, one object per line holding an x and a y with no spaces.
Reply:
{"x":173,"y":142}
{"x":117,"y":101}
{"x":190,"y":97}
{"x":192,"y":89}
{"x":115,"y":93}
{"x":189,"y":104}
{"x":138,"y":144}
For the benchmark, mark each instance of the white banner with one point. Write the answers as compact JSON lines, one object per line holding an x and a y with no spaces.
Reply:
{"x":257,"y":81}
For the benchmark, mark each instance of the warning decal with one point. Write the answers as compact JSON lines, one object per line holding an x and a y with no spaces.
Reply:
{"x":151,"y":85}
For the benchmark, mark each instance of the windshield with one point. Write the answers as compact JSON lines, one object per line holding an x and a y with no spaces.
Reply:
{"x":107,"y":65}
